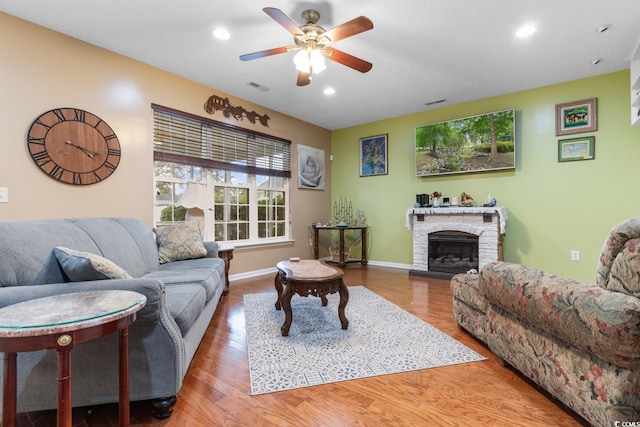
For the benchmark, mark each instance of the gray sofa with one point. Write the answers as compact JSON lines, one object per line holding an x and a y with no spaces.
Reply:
{"x":181,"y":297}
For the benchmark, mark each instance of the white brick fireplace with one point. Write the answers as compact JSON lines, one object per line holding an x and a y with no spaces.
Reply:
{"x":486,"y":223}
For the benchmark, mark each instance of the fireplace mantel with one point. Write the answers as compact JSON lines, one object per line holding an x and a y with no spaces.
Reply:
{"x":488,"y":223}
{"x":460,"y":210}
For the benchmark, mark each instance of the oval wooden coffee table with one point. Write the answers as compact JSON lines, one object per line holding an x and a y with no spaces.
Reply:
{"x":308,"y":277}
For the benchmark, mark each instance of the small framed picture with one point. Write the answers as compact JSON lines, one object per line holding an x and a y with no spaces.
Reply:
{"x":373,"y":155}
{"x":573,"y":149}
{"x":577,"y":117}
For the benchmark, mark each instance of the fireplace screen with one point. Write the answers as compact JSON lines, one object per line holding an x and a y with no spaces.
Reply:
{"x":452,"y":252}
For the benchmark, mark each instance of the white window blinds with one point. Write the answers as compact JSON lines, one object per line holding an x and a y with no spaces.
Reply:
{"x":188,"y":139}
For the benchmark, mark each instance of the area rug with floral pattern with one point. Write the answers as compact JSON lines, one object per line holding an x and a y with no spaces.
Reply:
{"x":381,"y":339}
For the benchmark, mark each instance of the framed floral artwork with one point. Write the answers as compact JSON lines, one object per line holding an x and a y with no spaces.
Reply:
{"x":577,"y":117}
{"x":311,"y":173}
{"x":373,"y":155}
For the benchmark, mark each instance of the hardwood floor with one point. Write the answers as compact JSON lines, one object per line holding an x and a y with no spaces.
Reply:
{"x":215,"y":390}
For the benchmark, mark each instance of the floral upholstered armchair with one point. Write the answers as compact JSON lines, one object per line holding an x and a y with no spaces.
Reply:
{"x":579,"y":341}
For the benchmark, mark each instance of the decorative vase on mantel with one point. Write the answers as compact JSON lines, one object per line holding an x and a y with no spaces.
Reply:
{"x":436,"y":202}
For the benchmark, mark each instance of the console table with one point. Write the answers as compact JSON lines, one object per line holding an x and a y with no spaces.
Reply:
{"x":342,"y":262}
{"x":60,"y":322}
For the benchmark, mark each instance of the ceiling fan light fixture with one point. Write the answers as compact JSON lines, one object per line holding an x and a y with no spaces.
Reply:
{"x":312,"y":41}
{"x":309,"y":61}
{"x":316,"y":59}
{"x":302,"y":61}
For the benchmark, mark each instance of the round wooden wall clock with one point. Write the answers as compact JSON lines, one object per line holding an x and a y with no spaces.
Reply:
{"x":73,"y":146}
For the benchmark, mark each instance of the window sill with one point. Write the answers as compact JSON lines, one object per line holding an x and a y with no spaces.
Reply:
{"x":237,"y":245}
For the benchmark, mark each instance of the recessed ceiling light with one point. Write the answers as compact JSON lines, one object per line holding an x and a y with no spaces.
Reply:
{"x":329,"y":91}
{"x":221,"y":34}
{"x":525,"y":31}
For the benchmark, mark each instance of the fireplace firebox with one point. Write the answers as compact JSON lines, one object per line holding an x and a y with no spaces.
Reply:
{"x":452,"y":252}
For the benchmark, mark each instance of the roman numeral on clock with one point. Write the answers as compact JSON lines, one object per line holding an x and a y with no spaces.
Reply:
{"x":56,"y":172}
{"x":41,"y":158}
{"x":34,"y":140}
{"x":79,"y":115}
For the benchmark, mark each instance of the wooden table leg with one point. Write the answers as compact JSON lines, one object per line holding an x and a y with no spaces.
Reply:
{"x":324,"y":300}
{"x":64,"y":385}
{"x":9,"y":400}
{"x":277,"y":281}
{"x":227,"y":256}
{"x":344,"y":299}
{"x":123,"y":360}
{"x":286,"y":307}
{"x":343,"y":261}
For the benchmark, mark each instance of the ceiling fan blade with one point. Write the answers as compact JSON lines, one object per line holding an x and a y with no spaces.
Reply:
{"x":268,"y":52}
{"x":351,"y":28}
{"x":283,"y":20}
{"x":348,"y":60}
{"x":303,"y":78}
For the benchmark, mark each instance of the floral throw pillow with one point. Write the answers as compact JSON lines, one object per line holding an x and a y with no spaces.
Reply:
{"x":179,"y":241}
{"x":81,"y":266}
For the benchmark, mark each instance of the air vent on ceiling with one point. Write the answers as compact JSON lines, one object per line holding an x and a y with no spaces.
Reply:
{"x":439,"y":101}
{"x":259,"y":87}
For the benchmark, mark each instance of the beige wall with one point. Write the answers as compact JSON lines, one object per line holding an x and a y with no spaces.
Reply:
{"x":41,"y":70}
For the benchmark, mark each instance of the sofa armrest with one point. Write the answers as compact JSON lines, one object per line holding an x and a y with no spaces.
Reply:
{"x":584,"y":315}
{"x":212,"y":249}
{"x":152,"y":289}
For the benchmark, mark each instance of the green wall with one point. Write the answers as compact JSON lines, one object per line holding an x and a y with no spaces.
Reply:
{"x":553,"y":207}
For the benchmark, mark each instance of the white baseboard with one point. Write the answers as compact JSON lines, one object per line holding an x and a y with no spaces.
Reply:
{"x":272,"y":270}
{"x":250,"y":274}
{"x":391,"y":264}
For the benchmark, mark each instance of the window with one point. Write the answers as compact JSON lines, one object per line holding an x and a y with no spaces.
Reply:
{"x":242,"y":178}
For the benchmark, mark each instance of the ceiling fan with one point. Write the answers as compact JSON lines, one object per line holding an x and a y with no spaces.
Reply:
{"x":312,"y":42}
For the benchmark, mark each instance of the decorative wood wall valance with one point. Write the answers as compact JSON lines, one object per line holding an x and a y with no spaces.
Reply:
{"x":215,"y":103}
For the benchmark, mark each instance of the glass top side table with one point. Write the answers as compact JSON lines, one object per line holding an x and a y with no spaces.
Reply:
{"x":60,"y":322}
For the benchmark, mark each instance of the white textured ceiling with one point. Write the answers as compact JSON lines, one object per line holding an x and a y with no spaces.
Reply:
{"x":421,"y":50}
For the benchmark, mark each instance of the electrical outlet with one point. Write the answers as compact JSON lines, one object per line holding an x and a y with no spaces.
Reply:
{"x":4,"y":195}
{"x":310,"y":242}
{"x":575,"y":255}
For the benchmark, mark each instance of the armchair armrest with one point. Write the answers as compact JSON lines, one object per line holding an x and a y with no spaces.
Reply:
{"x":584,"y":315}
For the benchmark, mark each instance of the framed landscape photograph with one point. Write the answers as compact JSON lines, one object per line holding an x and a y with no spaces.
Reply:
{"x":577,"y":149}
{"x":373,"y":155}
{"x":482,"y":143}
{"x":577,"y":117}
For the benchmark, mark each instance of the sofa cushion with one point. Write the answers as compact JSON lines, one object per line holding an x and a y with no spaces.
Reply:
{"x":80,"y":266}
{"x":179,"y":241}
{"x":185,"y":302}
{"x":206,"y":272}
{"x":128,"y":242}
